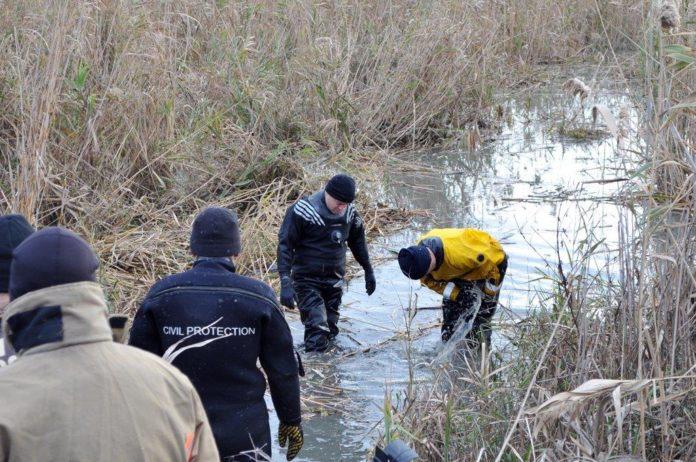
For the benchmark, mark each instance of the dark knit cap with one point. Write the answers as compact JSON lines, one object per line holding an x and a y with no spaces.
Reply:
{"x":414,"y":261}
{"x":13,"y":230}
{"x":341,"y":187}
{"x":51,"y":257}
{"x":215,"y":233}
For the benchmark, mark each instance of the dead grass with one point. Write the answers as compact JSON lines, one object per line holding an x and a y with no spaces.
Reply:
{"x":578,"y":133}
{"x":122,"y":119}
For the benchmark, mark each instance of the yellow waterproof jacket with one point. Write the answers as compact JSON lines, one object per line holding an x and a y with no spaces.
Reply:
{"x":462,"y":254}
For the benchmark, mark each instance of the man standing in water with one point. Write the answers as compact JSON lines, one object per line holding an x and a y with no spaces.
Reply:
{"x":467,"y":267}
{"x":214,"y":325}
{"x":312,"y":246}
{"x":13,"y":230}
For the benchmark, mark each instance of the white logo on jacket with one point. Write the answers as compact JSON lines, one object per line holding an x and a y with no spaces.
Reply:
{"x":218,"y":332}
{"x":305,"y":209}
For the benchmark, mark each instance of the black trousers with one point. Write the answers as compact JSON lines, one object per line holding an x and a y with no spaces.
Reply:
{"x":319,"y":300}
{"x":244,"y":433}
{"x":462,"y":310}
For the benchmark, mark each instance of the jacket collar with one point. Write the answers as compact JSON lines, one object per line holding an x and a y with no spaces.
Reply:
{"x":56,"y":317}
{"x":319,"y":204}
{"x":318,"y":201}
{"x":215,"y":262}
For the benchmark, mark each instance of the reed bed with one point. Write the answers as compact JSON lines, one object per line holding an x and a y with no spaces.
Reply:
{"x":122,"y":119}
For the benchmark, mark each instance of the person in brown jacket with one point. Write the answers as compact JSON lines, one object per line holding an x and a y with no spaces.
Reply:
{"x":73,"y":394}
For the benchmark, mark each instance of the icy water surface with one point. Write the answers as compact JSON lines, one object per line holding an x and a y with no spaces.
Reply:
{"x":528,"y":188}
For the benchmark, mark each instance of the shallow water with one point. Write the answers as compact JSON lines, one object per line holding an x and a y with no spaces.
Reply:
{"x":530,"y":188}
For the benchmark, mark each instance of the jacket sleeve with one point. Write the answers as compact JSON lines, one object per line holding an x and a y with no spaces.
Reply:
{"x":357,"y":242}
{"x":289,"y":233}
{"x":449,"y":289}
{"x":278,"y":361}
{"x":201,"y":447}
{"x":144,"y":333}
{"x":432,"y":284}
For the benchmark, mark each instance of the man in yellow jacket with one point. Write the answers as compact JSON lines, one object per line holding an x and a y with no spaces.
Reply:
{"x":467,"y":267}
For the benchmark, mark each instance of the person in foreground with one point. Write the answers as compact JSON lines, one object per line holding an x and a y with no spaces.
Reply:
{"x":312,"y":244}
{"x":467,"y":267}
{"x":74,"y":394}
{"x":214,"y":324}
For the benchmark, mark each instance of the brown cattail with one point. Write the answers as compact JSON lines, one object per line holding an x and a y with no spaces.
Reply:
{"x":577,"y":87}
{"x":669,"y":15}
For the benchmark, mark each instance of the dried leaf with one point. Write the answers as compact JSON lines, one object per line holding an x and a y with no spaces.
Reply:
{"x":616,"y":398}
{"x":589,"y":390}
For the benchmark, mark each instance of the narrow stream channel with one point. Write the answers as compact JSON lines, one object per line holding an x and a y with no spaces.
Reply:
{"x":522,"y":188}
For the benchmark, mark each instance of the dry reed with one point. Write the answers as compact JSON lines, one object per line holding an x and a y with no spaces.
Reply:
{"x":577,"y":87}
{"x":122,"y":119}
{"x":691,"y":15}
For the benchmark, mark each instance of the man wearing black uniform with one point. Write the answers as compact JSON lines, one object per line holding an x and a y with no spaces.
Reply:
{"x":312,"y":257}
{"x":214,"y":324}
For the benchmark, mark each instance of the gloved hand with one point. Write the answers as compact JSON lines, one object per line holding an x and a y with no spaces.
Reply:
{"x":462,"y":287}
{"x":370,"y":282}
{"x":287,"y":293}
{"x":291,"y":434}
{"x":467,"y":292}
{"x":490,"y":288}
{"x":120,"y":327}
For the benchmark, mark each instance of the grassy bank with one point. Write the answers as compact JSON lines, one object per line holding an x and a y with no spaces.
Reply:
{"x":605,"y":369}
{"x":120,"y":119}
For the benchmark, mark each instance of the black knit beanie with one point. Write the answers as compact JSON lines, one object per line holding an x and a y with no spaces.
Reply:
{"x":341,"y":187}
{"x":13,"y":230}
{"x":51,"y":257}
{"x":215,"y":233}
{"x":414,"y":261}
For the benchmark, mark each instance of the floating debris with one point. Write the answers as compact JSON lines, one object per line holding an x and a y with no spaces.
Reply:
{"x":581,"y":133}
